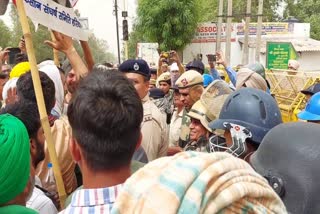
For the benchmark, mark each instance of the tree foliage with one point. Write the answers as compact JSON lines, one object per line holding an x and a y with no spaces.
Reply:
{"x":166,"y":21}
{"x":5,"y":38}
{"x":306,"y":11}
{"x":172,"y":24}
{"x":209,"y":10}
{"x":135,"y":37}
{"x":98,"y":48}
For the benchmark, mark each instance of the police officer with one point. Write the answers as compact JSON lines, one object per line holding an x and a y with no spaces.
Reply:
{"x":152,"y":83}
{"x":153,"y":127}
{"x":164,"y":83}
{"x":288,"y":158}
{"x":199,"y":128}
{"x":246,"y":117}
{"x":190,"y":86}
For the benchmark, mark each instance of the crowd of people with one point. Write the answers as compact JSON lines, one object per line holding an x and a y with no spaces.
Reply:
{"x":143,"y":139}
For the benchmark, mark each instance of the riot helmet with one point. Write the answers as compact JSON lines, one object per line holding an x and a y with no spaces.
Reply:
{"x":288,"y":158}
{"x":248,"y":114}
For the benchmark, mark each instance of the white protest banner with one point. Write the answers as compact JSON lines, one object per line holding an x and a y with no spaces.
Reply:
{"x":55,"y":17}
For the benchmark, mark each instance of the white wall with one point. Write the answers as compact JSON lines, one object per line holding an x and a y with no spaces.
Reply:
{"x":191,"y":51}
{"x":309,"y":61}
{"x":306,"y":59}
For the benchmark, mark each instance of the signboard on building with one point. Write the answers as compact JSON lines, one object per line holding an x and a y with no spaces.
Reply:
{"x":268,"y":28}
{"x":207,"y":32}
{"x":278,"y":54}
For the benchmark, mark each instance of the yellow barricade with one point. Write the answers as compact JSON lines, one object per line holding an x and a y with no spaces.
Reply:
{"x":286,"y":86}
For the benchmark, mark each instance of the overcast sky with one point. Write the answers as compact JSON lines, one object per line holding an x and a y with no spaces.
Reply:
{"x":101,"y":18}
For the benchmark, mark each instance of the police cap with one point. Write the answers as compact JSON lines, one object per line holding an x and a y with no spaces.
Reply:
{"x":165,"y":77}
{"x":188,"y":79}
{"x":312,"y":89}
{"x":135,"y":66}
{"x":156,"y":93}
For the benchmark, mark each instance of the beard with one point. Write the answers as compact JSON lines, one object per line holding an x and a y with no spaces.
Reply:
{"x":40,"y":152}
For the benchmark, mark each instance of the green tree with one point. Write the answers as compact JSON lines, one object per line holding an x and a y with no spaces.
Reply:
{"x":135,"y":37}
{"x":99,"y":49}
{"x":41,"y":50}
{"x":209,"y":10}
{"x":171,"y":24}
{"x":5,"y":32}
{"x":157,"y":20}
{"x":306,"y":11}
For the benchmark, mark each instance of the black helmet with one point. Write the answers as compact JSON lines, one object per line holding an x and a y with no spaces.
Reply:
{"x":196,"y":65}
{"x":253,"y":109}
{"x":288,"y":158}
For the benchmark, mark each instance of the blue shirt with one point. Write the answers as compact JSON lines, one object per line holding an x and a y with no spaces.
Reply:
{"x":231,"y":73}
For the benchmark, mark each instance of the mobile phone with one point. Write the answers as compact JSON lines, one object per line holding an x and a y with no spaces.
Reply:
{"x":212,"y":57}
{"x":12,"y":54}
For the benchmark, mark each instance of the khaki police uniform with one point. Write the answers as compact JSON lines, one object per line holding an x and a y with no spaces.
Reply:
{"x":154,"y":130}
{"x":175,"y":128}
{"x":187,"y":80}
{"x":168,"y":98}
{"x":153,"y":127}
{"x":201,"y":113}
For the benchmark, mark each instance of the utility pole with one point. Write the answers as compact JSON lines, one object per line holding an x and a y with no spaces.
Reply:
{"x":126,"y":51}
{"x":219,"y":26}
{"x":245,"y":54}
{"x":229,"y":31}
{"x":259,"y":30}
{"x":117,"y":26}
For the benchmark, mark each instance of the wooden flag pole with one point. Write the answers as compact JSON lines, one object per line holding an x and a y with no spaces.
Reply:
{"x":55,"y":52}
{"x":40,"y":101}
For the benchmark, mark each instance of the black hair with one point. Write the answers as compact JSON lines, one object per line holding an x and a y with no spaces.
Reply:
{"x":166,"y":81}
{"x":105,"y":114}
{"x":28,"y":113}
{"x":25,"y":89}
{"x":20,"y":57}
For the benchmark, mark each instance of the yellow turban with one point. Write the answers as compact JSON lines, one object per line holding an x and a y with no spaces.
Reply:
{"x":19,"y":69}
